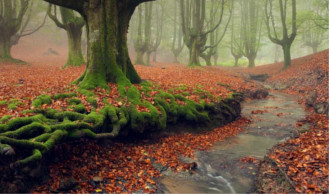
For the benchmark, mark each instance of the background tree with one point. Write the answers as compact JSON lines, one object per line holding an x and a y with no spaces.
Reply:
{"x":142,"y":42}
{"x":285,"y":39}
{"x":251,"y":29}
{"x":214,"y":37}
{"x":177,"y":41}
{"x":158,"y":32}
{"x":236,"y":40}
{"x":73,"y":25}
{"x":26,"y":29}
{"x":11,"y":20}
{"x":194,"y":27}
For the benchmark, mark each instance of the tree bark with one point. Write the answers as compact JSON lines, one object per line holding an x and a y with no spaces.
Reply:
{"x":287,"y":55}
{"x":107,"y":27}
{"x":314,"y":47}
{"x":236,"y":61}
{"x":75,"y":57}
{"x":5,"y":47}
{"x":251,"y":61}
{"x":194,"y":54}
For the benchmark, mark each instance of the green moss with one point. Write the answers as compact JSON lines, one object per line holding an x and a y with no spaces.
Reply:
{"x":73,"y":101}
{"x":64,"y":95}
{"x":3,"y":102}
{"x":96,"y":119}
{"x":12,"y":104}
{"x":5,"y":118}
{"x":41,"y":100}
{"x":93,"y":80}
{"x":72,"y":116}
{"x":92,"y":101}
{"x":80,"y":108}
{"x":133,"y":95}
{"x":86,"y":92}
{"x":3,"y":128}
{"x":36,"y":155}
{"x":27,"y":131}
{"x":55,"y":137}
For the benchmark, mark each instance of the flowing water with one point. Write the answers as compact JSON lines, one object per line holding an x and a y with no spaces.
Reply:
{"x":219,"y":170}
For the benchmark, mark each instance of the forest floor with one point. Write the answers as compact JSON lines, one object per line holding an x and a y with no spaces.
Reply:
{"x":121,"y":167}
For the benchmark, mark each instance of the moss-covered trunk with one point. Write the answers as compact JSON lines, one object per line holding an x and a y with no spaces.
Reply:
{"x":5,"y":47}
{"x":287,"y":55}
{"x":194,"y":53}
{"x":75,"y":57}
{"x":107,"y":27}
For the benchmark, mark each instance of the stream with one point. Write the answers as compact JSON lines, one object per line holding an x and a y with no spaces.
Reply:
{"x":219,"y":170}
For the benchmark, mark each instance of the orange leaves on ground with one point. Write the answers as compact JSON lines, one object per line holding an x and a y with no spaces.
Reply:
{"x":306,"y":158}
{"x":128,"y":167}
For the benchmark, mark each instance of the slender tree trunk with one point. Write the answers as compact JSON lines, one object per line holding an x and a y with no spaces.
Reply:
{"x":107,"y":27}
{"x":5,"y":48}
{"x":139,"y":57}
{"x":236,"y":61}
{"x":75,"y":56}
{"x":207,"y":59}
{"x":287,"y":55}
{"x":314,"y":47}
{"x":194,"y":54}
{"x":215,"y":57}
{"x":148,"y":58}
{"x":251,"y":61}
{"x":154,"y":57}
{"x":176,"y":55}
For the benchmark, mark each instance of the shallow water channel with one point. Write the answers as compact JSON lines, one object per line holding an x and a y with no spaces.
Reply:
{"x":219,"y":170}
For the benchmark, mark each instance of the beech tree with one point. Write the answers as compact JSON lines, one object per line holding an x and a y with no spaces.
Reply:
{"x":11,"y":19}
{"x":73,"y":26}
{"x":285,"y":39}
{"x":177,"y":41}
{"x":195,"y":28}
{"x":142,"y":41}
{"x":214,"y":38}
{"x":107,"y":24}
{"x":251,"y":29}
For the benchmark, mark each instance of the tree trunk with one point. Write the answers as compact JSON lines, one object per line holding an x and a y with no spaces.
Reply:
{"x":139,"y":57}
{"x":107,"y":27}
{"x":287,"y":55}
{"x":215,"y":57}
{"x":154,"y":58}
{"x":75,"y":57}
{"x":236,"y":61}
{"x":251,"y":61}
{"x":207,"y":59}
{"x":148,"y":58}
{"x":314,"y":47}
{"x":194,"y":54}
{"x":5,"y":48}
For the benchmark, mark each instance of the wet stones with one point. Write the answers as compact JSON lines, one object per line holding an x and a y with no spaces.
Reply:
{"x":67,"y":184}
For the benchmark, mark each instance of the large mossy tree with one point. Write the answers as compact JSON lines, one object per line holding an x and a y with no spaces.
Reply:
{"x":107,"y":24}
{"x":11,"y":19}
{"x":73,"y":25}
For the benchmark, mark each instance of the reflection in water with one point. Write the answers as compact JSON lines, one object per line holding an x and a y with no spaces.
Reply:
{"x":219,"y":170}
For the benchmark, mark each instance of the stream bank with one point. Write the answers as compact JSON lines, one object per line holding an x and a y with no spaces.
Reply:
{"x":221,"y":169}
